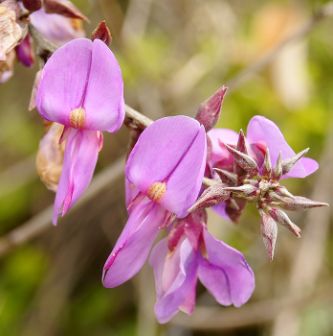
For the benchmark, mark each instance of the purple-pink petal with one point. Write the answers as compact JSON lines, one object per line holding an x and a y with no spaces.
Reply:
{"x":175,"y":279}
{"x":173,"y":151}
{"x":82,"y":74}
{"x":217,"y":137}
{"x":104,"y":97}
{"x":80,"y":159}
{"x":225,"y":273}
{"x":220,"y":209}
{"x":134,"y":244}
{"x":184,"y":183}
{"x":24,"y":52}
{"x":263,"y":130}
{"x":56,"y":28}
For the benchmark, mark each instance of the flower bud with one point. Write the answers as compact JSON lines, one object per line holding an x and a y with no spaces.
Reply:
{"x":282,"y":218}
{"x":298,"y":203}
{"x":226,"y":176}
{"x":25,"y":53}
{"x":269,"y":231}
{"x":32,"y":5}
{"x":288,"y":164}
{"x":244,"y":161}
{"x":241,"y":144}
{"x":267,"y":166}
{"x":277,"y":172}
{"x":209,"y":111}
{"x":244,"y":190}
{"x":210,"y":197}
{"x":50,"y":156}
{"x":66,"y":9}
{"x":103,"y":33}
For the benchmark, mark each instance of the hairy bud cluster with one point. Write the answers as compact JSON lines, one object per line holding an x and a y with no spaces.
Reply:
{"x":249,"y":182}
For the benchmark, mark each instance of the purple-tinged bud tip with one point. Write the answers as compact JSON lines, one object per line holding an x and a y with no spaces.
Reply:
{"x":244,"y":190}
{"x":298,"y":203}
{"x":226,"y":176}
{"x":66,"y":9}
{"x":288,"y":164}
{"x":277,"y":172}
{"x":244,"y":161}
{"x":269,"y":231}
{"x":267,"y":166}
{"x":209,"y":111}
{"x":102,"y":32}
{"x":32,"y":5}
{"x":282,"y":218}
{"x":241,"y":144}
{"x":210,"y":197}
{"x":24,"y":52}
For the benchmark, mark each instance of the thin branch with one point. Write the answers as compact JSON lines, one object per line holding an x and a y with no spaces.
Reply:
{"x":39,"y":223}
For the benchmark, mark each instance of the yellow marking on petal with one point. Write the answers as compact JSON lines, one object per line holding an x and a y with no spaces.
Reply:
{"x":156,"y":191}
{"x":77,"y":117}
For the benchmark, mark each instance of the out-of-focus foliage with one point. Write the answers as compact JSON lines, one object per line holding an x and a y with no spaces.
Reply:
{"x":173,"y":54}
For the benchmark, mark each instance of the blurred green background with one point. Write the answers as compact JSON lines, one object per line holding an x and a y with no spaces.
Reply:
{"x":174,"y":54}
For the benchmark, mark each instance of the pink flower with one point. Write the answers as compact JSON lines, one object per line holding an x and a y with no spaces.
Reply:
{"x":262,"y":134}
{"x":81,"y":87}
{"x":164,"y":175}
{"x":192,"y":253}
{"x":24,"y":51}
{"x":56,"y":28}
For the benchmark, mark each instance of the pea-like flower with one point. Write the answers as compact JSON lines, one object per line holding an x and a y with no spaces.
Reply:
{"x":261,"y":134}
{"x":250,"y":169}
{"x":81,"y":87}
{"x":164,"y":175}
{"x":189,"y":254}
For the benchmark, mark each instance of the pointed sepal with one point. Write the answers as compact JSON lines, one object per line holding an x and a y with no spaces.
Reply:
{"x":267,"y":166}
{"x":226,"y":176}
{"x":210,"y":197}
{"x":209,"y":111}
{"x":298,"y":203}
{"x":269,"y":231}
{"x":66,"y":9}
{"x":244,"y":161}
{"x":102,"y":32}
{"x":282,"y":218}
{"x":287,"y":165}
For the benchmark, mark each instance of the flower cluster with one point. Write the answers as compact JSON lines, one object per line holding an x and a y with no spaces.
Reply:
{"x":250,"y":169}
{"x":57,"y":21}
{"x":177,"y":167}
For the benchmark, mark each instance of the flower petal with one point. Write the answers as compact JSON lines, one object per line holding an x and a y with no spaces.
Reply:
{"x":104,"y":97}
{"x":261,"y":129}
{"x":133,"y":245}
{"x":56,"y":28}
{"x":171,"y":150}
{"x":184,"y":184}
{"x":81,"y":153}
{"x":82,"y":74}
{"x":225,"y":273}
{"x":175,"y":279}
{"x":220,"y":209}
{"x":63,"y":81}
{"x":224,"y":135}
